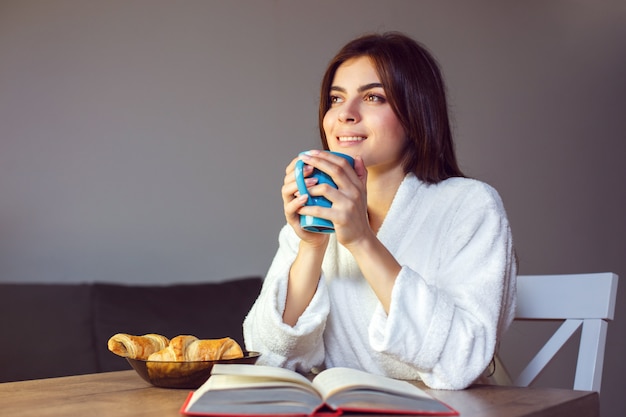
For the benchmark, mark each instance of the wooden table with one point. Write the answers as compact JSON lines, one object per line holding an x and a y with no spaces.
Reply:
{"x":124,"y":394}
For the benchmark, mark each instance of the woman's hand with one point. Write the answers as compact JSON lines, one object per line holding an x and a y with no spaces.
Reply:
{"x":293,"y":202}
{"x":307,"y":267}
{"x":352,"y":229}
{"x":349,"y":200}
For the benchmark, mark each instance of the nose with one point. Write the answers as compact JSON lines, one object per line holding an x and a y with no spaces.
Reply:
{"x":349,"y":112}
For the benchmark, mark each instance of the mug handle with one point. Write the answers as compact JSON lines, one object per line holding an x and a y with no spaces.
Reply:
{"x":299,"y":173}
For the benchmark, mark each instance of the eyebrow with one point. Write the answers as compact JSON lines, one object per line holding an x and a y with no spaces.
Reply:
{"x":360,"y":89}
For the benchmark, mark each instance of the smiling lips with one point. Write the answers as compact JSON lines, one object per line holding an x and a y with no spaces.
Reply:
{"x":350,"y":138}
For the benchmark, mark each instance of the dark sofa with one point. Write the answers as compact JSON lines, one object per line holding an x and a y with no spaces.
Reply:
{"x":49,"y":330}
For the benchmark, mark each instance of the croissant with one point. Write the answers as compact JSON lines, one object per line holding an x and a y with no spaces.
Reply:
{"x":185,"y":348}
{"x":207,"y":350}
{"x":137,"y":347}
{"x":175,"y":352}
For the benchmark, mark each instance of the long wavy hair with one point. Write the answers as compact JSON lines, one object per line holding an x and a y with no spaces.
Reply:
{"x":414,"y":86}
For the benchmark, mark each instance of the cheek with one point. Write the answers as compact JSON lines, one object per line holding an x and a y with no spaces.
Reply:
{"x":327,"y":123}
{"x":394,"y":127}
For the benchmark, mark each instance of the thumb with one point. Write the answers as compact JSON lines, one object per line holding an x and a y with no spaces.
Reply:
{"x":359,"y":168}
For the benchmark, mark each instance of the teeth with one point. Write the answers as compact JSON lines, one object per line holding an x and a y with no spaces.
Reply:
{"x":350,"y":138}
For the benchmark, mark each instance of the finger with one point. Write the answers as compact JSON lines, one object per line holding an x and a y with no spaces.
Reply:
{"x":292,"y":209}
{"x":291,"y":187}
{"x":333,"y":165}
{"x":297,"y":203}
{"x":292,"y":165}
{"x":360,"y":170}
{"x":290,"y":177}
{"x":290,"y":191}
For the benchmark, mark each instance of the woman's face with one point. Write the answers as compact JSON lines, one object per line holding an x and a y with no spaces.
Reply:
{"x":360,"y":120}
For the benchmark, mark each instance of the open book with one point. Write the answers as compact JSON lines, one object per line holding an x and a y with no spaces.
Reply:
{"x":265,"y":390}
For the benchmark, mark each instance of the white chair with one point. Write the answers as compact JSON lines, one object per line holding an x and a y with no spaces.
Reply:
{"x":586,"y":300}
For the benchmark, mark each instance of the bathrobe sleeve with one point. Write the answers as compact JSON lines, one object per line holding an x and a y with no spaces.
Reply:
{"x":447,"y":325}
{"x":300,"y":347}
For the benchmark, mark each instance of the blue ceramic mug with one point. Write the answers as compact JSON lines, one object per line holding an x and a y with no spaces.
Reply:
{"x":311,"y":223}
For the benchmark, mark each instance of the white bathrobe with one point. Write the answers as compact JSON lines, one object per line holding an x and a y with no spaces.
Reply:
{"x":451,"y":301}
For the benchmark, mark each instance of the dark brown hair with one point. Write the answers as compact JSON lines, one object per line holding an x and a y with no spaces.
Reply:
{"x":414,"y":86}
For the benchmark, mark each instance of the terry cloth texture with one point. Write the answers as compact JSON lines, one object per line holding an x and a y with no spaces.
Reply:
{"x":451,"y":301}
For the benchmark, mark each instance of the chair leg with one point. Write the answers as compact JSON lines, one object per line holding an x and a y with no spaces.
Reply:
{"x":591,"y":355}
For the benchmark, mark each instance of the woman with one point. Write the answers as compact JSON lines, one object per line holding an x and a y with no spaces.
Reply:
{"x":418,"y":280}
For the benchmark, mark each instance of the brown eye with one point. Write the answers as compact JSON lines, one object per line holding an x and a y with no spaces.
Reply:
{"x":334,"y":99}
{"x":375,"y":98}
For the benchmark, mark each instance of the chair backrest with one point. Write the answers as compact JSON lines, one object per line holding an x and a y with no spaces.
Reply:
{"x":586,"y":300}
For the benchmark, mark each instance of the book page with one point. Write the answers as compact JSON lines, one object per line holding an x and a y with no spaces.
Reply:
{"x":239,"y":382}
{"x":333,"y":380}
{"x":270,"y":372}
{"x":246,"y":382}
{"x":253,"y":401}
{"x":253,"y":376}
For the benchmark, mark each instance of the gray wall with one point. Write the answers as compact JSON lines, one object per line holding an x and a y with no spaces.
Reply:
{"x":145,"y":141}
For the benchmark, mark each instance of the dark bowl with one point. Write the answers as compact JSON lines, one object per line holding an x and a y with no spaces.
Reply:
{"x":188,"y":375}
